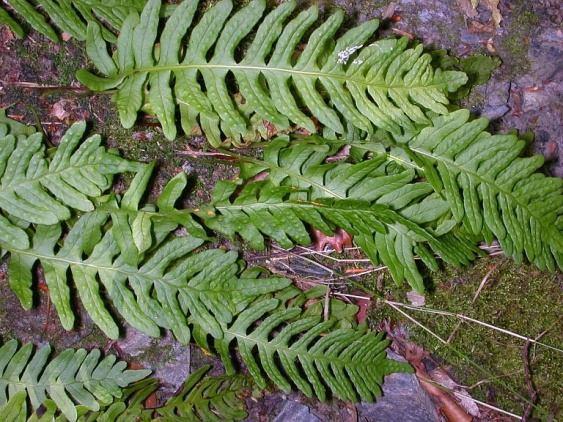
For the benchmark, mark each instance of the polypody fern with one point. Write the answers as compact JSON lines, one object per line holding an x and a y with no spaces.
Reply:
{"x":490,"y":189}
{"x":41,"y":188}
{"x":72,"y":377}
{"x":383,"y":84}
{"x":152,"y":277}
{"x":392,"y":217}
{"x":289,"y":348}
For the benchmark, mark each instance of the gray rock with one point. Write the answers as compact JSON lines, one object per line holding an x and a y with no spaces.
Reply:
{"x":293,"y":411}
{"x":403,"y":400}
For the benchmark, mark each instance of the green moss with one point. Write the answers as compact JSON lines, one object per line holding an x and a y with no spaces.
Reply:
{"x":516,"y":43}
{"x":64,"y":58}
{"x":516,"y":298}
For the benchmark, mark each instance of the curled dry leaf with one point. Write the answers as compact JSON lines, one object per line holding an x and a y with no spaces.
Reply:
{"x":449,"y":407}
{"x":441,"y":376}
{"x":416,"y":299}
{"x":339,"y":241}
{"x":495,"y":11}
{"x":60,"y":110}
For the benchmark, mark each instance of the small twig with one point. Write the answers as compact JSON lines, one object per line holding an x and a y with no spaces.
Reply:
{"x":454,"y":331}
{"x":476,"y":321}
{"x":529,"y":382}
{"x":477,"y":293}
{"x":327,"y":304}
{"x":489,"y":380}
{"x":352,"y":296}
{"x":40,"y":87}
{"x":317,"y":264}
{"x":345,"y":277}
{"x":196,"y":154}
{"x":483,"y":282}
{"x":327,"y":255}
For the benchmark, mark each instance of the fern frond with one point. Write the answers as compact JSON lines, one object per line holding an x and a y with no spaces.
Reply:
{"x":392,"y":217}
{"x":153,"y":278}
{"x":72,"y":377}
{"x":70,"y":16}
{"x":289,"y":349}
{"x":202,"y":398}
{"x":491,"y":189}
{"x":384,"y":84}
{"x":206,"y":398}
{"x":41,"y":188}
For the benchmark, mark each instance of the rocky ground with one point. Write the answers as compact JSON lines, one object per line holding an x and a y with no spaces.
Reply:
{"x":524,"y":93}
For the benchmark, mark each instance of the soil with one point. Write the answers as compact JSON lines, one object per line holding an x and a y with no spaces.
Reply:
{"x":524,"y":93}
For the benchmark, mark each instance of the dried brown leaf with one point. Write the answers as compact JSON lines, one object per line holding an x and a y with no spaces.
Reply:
{"x":339,"y":241}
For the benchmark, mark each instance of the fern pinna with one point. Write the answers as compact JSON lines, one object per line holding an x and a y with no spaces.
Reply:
{"x":73,"y":377}
{"x":384,"y":84}
{"x":153,"y":278}
{"x":41,"y":188}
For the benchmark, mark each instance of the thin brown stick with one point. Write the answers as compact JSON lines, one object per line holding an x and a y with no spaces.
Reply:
{"x":483,"y":282}
{"x":529,"y":382}
{"x":41,"y":87}
{"x":327,"y":304}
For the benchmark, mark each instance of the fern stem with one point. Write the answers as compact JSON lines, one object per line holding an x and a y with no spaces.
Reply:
{"x":97,"y":267}
{"x":268,"y":69}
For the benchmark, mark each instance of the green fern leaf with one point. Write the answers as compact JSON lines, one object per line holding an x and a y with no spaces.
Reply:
{"x":392,"y":217}
{"x":6,"y":19}
{"x":72,"y":377}
{"x":70,"y":16}
{"x":10,"y":126}
{"x":491,"y":189}
{"x":42,"y":188}
{"x":34,"y":18}
{"x":205,"y":398}
{"x":202,"y":398}
{"x":384,"y":84}
{"x":152,"y":277}
{"x":308,"y":353}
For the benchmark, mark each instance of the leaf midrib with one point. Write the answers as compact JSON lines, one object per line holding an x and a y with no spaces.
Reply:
{"x":49,"y":385}
{"x":309,"y":204}
{"x":287,"y":350}
{"x":268,"y":69}
{"x":70,"y":262}
{"x":489,"y":182}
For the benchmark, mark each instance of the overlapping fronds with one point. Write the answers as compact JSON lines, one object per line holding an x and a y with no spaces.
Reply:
{"x":207,"y":398}
{"x":288,"y":349}
{"x":392,"y":217}
{"x":202,"y":398}
{"x":70,"y":16}
{"x":73,"y":377}
{"x":384,"y":84}
{"x":41,"y":188}
{"x":491,"y":189}
{"x":152,"y":278}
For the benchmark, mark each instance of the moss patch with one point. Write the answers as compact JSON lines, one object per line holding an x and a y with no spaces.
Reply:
{"x":515,"y":44}
{"x":517,"y":298}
